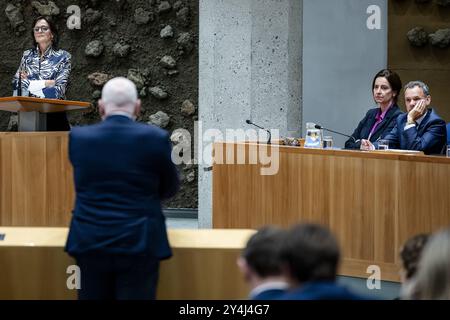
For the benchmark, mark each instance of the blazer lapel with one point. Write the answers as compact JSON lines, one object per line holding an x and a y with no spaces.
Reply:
{"x":371,"y":121}
{"x":424,"y":121}
{"x":386,"y":120}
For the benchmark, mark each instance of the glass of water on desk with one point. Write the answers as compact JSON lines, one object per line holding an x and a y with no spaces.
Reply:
{"x":327,"y":142}
{"x":448,"y":151}
{"x":383,"y":144}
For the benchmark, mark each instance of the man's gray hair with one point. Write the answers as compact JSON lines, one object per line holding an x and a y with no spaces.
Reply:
{"x":420,"y":84}
{"x":119,"y":92}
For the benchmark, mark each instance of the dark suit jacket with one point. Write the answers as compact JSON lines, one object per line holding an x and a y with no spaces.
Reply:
{"x":319,"y":290}
{"x":365,"y":125}
{"x":122,"y":170}
{"x":430,"y":136}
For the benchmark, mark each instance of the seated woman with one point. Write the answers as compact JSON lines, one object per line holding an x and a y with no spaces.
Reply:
{"x":378,"y":122}
{"x":44,"y":70}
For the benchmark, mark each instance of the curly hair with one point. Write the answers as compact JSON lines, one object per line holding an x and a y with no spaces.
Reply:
{"x":411,"y":252}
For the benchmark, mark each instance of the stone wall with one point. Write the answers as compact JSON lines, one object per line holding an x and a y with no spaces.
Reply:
{"x":429,"y":62}
{"x":153,"y":43}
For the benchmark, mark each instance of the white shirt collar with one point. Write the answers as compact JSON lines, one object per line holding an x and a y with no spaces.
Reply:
{"x":268,"y":286}
{"x":421,"y":118}
{"x":120,"y":113}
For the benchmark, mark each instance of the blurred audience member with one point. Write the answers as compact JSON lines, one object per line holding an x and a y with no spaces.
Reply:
{"x":311,"y":257}
{"x":432,"y":280}
{"x":410,"y":255}
{"x":261,"y":265}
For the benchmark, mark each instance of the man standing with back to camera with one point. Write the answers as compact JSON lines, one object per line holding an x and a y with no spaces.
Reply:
{"x":122,"y":170}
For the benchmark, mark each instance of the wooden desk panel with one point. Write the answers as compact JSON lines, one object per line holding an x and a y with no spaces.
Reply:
{"x":36,"y":179}
{"x":372,"y":201}
{"x":33,"y":264}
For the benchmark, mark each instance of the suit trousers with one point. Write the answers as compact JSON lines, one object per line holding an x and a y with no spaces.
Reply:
{"x":119,"y":277}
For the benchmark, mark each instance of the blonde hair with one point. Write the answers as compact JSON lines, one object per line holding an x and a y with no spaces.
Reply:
{"x":432,"y":281}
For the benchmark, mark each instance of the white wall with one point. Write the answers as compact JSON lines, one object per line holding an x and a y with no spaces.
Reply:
{"x":340,"y":57}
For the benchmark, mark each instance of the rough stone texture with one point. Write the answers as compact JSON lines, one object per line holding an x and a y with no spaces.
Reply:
{"x":94,"y":49}
{"x":120,"y":50}
{"x":177,"y":5}
{"x":164,"y":6}
{"x":440,"y":38}
{"x":13,"y":123}
{"x":443,"y":3}
{"x":98,"y":79}
{"x":160,"y":119}
{"x":166,"y":32}
{"x":158,"y":93}
{"x":142,"y":16}
{"x":96,"y":94}
{"x":417,"y":36}
{"x":183,"y":16}
{"x":116,"y":25}
{"x":177,"y":137}
{"x":137,"y":77}
{"x":92,"y":16}
{"x":185,"y":42}
{"x":14,"y":15}
{"x":168,"y":62}
{"x":190,"y":176}
{"x":187,"y":108}
{"x":50,"y":9}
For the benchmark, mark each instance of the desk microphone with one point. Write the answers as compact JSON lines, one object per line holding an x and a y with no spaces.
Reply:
{"x":268,"y":131}
{"x":342,"y":134}
{"x":19,"y":82}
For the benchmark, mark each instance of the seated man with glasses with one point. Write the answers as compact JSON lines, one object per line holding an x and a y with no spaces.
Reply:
{"x":420,"y":129}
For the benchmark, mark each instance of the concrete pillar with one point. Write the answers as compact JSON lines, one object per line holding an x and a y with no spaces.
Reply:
{"x":249,"y":68}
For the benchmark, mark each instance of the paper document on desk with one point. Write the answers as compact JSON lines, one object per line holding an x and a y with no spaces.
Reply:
{"x":36,"y":87}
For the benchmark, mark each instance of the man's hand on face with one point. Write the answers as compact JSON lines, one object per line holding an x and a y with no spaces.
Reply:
{"x":418,"y":111}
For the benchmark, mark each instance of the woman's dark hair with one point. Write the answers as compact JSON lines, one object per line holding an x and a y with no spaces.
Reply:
{"x":53,"y":30}
{"x":393,"y":79}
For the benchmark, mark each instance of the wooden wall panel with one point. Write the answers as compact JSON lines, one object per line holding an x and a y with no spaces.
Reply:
{"x":36,"y":179}
{"x":429,"y":64}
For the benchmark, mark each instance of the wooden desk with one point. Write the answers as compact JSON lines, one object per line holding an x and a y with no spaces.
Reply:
{"x":32,"y":112}
{"x":373,"y":202}
{"x":33,"y":264}
{"x":36,"y":179}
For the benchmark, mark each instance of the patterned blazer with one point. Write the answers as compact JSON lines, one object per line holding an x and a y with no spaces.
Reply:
{"x":54,"y":65}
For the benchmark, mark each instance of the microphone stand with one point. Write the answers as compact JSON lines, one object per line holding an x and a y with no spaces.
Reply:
{"x":19,"y":82}
{"x":268,"y":131}
{"x":342,"y":134}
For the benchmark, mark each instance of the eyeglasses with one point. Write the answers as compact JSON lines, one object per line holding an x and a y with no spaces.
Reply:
{"x":43,"y":29}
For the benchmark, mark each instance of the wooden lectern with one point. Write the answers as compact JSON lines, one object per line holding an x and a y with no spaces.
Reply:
{"x":36,"y":183}
{"x":33,"y":111}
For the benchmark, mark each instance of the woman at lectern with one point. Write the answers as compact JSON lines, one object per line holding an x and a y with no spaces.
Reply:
{"x":379,"y":121}
{"x":44,"y":70}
